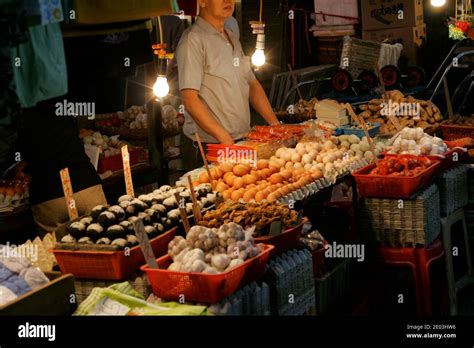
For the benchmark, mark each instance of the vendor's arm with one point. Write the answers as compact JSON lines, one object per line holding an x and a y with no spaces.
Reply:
{"x":202,"y":116}
{"x":260,"y":102}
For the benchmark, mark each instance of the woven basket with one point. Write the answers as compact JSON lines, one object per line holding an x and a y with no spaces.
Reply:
{"x":361,"y":55}
{"x":84,"y":287}
{"x":417,"y":223}
{"x":453,"y":190}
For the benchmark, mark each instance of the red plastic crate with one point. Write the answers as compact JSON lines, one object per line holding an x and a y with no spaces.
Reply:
{"x":214,"y":149}
{"x":114,"y":163}
{"x":205,"y":288}
{"x":456,"y":132}
{"x":446,"y":158}
{"x":382,"y":186}
{"x":285,"y":241}
{"x":109,"y":265}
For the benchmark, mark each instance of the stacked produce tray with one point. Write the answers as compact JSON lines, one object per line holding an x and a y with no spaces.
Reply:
{"x":291,"y":281}
{"x":332,"y":287}
{"x":252,"y":299}
{"x":453,"y":190}
{"x":406,"y":223}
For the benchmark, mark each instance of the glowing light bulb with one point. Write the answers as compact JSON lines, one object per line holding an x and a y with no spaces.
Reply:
{"x":438,"y":3}
{"x":258,"y":58}
{"x":161,"y":87}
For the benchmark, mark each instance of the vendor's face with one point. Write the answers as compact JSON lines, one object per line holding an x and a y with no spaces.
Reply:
{"x":219,"y":9}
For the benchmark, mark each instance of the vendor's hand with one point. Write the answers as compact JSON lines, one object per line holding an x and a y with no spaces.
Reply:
{"x":226,"y":139}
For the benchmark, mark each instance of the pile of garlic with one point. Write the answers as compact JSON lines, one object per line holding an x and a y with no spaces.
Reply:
{"x":212,"y":251}
{"x":414,"y":141}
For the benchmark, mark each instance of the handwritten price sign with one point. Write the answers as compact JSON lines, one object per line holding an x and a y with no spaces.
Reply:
{"x":68,"y":194}
{"x":127,"y":172}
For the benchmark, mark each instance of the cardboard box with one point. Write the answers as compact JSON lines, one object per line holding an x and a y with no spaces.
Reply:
{"x":412,"y":39}
{"x":343,"y":8}
{"x":384,"y":14}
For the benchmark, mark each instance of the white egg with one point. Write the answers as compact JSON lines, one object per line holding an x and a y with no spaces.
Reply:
{"x":295,"y":158}
{"x":307,"y":159}
{"x":286,"y":156}
{"x":280,"y":151}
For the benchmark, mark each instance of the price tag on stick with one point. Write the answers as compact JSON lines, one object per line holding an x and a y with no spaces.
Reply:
{"x":361,"y":122}
{"x":391,"y":117}
{"x":68,"y":194}
{"x":206,"y":165}
{"x":127,"y":172}
{"x":182,"y":212}
{"x":196,"y":208}
{"x":145,"y":243}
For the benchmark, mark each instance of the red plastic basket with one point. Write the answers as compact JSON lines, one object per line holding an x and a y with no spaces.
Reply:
{"x":446,"y":159}
{"x":456,"y":132}
{"x":285,"y":241}
{"x":114,"y":163}
{"x":109,"y":265}
{"x":382,"y":186}
{"x":219,"y":151}
{"x":206,"y":288}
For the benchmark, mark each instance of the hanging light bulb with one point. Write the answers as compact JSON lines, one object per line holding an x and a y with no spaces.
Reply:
{"x":161,"y":87}
{"x":258,"y":58}
{"x":438,"y":3}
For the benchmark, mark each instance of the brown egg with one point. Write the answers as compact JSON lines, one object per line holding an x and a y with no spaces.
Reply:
{"x":236,"y":195}
{"x":217,"y":173}
{"x":241,"y":169}
{"x":286,"y":174}
{"x":249,"y":179}
{"x":272,"y":197}
{"x":238,"y":183}
{"x":230,"y":180}
{"x":226,"y":167}
{"x":317,"y":174}
{"x":262,"y":164}
{"x":276,"y":178}
{"x":226,"y":194}
{"x":221,"y":187}
{"x":260,"y":196}
{"x":249,"y":195}
{"x":285,"y":190}
{"x":203,"y":178}
{"x":226,"y":175}
{"x":267,"y":172}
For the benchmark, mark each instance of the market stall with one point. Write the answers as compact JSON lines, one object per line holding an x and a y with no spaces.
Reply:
{"x":312,"y":214}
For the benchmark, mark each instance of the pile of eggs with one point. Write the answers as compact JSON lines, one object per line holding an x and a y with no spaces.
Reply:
{"x":264,"y":182}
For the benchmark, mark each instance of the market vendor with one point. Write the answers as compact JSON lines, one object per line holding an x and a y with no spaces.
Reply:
{"x":216,"y":82}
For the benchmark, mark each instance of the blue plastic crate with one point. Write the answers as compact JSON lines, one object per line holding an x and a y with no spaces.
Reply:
{"x":346,"y":130}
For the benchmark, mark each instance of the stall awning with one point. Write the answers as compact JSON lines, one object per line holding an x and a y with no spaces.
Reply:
{"x":113,"y":11}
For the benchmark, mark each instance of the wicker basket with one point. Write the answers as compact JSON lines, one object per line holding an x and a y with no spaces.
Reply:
{"x":84,"y":287}
{"x":453,"y":190}
{"x":361,"y":55}
{"x":416,"y":223}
